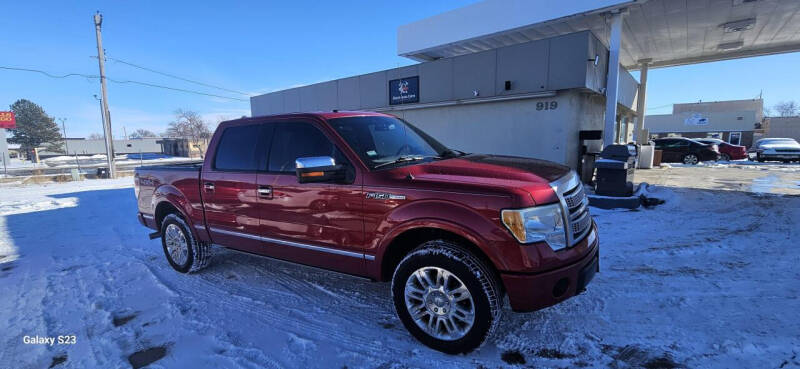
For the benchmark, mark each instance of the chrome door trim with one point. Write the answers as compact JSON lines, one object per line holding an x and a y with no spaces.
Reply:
{"x":295,"y":244}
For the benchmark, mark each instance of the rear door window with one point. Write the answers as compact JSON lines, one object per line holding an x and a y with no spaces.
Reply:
{"x":238,"y":149}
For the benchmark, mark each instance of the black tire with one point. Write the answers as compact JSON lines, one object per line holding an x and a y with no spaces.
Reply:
{"x":480,"y":281}
{"x":724,"y":157}
{"x":199,"y":253}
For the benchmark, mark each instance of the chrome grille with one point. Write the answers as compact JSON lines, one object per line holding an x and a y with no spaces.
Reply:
{"x":576,"y":205}
{"x":575,"y":197}
{"x":580,"y":225}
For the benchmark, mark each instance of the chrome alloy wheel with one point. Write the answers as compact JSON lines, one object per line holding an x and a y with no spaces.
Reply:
{"x":177,"y":247}
{"x":439,"y":303}
{"x":690,"y":159}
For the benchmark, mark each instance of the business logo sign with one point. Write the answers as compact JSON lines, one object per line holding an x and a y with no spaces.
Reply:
{"x":7,"y":120}
{"x":696,"y":119}
{"x":404,"y":90}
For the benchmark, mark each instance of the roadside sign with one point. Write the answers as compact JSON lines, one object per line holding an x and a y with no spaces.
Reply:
{"x":7,"y":120}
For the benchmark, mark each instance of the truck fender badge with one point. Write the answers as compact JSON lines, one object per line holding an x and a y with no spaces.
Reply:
{"x":384,"y":196}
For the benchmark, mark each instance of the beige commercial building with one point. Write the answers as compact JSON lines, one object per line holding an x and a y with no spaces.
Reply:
{"x":784,"y":127}
{"x":739,"y":122}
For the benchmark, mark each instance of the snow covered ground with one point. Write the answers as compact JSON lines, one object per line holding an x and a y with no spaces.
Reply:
{"x":707,"y":280}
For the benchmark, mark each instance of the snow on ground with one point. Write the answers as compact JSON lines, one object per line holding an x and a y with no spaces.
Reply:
{"x":707,"y":280}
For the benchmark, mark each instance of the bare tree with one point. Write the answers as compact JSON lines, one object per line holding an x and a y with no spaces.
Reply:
{"x":94,"y":136}
{"x":189,"y":124}
{"x":142,"y":133}
{"x":787,"y":108}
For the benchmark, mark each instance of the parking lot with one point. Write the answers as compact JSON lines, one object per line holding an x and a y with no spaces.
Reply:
{"x":707,"y":280}
{"x":746,"y":176}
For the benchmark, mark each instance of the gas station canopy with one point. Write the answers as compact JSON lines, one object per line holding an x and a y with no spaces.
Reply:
{"x":661,"y":32}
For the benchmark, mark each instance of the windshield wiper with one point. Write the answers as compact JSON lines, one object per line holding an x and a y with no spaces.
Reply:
{"x":451,"y":153}
{"x":401,"y":159}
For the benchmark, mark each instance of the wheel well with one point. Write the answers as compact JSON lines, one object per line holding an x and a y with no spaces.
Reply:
{"x":409,"y":240}
{"x":163,"y":209}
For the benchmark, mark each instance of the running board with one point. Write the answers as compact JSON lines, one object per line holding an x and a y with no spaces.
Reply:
{"x":154,"y":235}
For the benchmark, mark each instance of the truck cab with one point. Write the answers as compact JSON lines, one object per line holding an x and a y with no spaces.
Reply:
{"x":372,"y":195}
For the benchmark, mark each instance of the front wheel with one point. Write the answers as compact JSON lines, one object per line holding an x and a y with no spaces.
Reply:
{"x":725,"y":157}
{"x":447,"y":298}
{"x":690,"y":159}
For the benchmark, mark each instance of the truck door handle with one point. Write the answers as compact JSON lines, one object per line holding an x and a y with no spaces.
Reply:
{"x":208,"y":186}
{"x":265,"y":192}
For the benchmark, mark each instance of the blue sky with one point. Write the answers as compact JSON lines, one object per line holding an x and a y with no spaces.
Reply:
{"x":262,"y":46}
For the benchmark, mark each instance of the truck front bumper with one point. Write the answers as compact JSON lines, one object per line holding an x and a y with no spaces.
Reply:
{"x":529,"y":292}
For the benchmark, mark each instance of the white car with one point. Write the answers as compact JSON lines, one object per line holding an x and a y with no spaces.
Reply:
{"x":783,"y":149}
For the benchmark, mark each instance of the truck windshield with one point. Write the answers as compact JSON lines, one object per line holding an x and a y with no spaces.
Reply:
{"x":388,"y":141}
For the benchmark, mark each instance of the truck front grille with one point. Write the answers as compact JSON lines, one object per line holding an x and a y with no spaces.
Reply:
{"x":580,"y":221}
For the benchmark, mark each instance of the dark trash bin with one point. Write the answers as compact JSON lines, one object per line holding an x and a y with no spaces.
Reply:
{"x":615,"y":170}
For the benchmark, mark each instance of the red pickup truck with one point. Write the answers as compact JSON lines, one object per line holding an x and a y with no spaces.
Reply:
{"x":371,"y":195}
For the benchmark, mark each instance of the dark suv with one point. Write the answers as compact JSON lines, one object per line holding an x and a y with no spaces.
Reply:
{"x":684,"y":150}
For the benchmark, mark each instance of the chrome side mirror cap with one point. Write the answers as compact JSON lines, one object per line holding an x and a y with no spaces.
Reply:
{"x":318,"y":169}
{"x":314,"y":162}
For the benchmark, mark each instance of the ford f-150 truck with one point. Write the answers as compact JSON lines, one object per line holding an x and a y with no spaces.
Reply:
{"x":371,"y":195}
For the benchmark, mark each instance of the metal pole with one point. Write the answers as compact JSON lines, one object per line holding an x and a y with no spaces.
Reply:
{"x":125,"y":132}
{"x":64,"y":127}
{"x":641,"y":102}
{"x":101,"y":57}
{"x":612,"y":83}
{"x":5,"y":167}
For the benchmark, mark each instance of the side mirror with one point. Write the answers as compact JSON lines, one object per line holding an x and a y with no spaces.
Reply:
{"x":318,"y":169}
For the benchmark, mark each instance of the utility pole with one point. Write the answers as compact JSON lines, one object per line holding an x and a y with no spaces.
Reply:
{"x":101,"y":57}
{"x":125,"y":132}
{"x":64,"y":127}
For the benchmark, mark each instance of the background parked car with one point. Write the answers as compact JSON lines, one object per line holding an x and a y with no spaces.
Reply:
{"x":783,"y":149}
{"x":727,"y":151}
{"x":684,"y":150}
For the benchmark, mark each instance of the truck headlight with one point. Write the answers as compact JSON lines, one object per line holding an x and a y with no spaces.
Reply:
{"x":536,"y":224}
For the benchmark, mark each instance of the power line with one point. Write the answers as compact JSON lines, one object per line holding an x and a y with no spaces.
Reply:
{"x":176,"y":77}
{"x":147,"y":84}
{"x":659,"y":107}
{"x":52,"y":75}
{"x":174,"y":89}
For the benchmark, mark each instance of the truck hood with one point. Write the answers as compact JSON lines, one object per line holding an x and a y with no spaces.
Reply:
{"x":489,"y":173}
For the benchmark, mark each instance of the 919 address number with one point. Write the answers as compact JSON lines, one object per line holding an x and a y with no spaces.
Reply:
{"x":547,"y":105}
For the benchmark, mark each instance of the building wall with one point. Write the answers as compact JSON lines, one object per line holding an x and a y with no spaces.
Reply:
{"x":94,"y":147}
{"x":754,"y":105}
{"x":725,"y":121}
{"x":514,"y":127}
{"x":554,"y":64}
{"x":784,"y":127}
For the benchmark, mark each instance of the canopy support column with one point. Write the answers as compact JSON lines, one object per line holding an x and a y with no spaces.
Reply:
{"x":641,"y":102}
{"x":612,"y":82}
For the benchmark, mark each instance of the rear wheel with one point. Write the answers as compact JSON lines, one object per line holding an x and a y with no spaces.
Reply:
{"x":447,"y":298}
{"x":724,"y":157}
{"x":183,"y":252}
{"x":690,"y":159}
